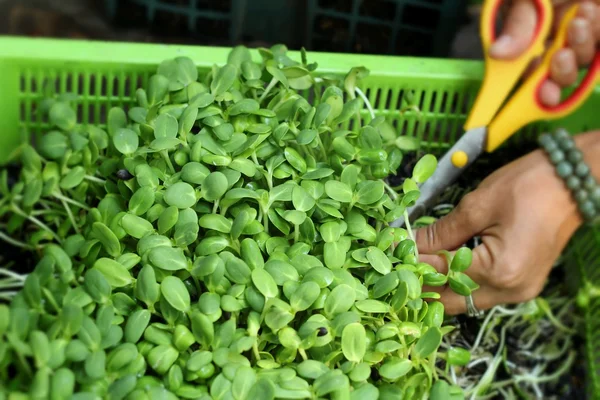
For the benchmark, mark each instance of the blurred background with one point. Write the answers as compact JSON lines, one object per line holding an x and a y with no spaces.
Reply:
{"x":424,"y":28}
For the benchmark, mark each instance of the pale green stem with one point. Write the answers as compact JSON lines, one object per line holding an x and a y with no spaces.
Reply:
{"x":71,"y":217}
{"x":8,"y":295}
{"x":165,"y":155}
{"x":37,"y":213}
{"x":9,"y":273}
{"x":487,"y":378}
{"x":266,"y":221}
{"x":70,"y":201}
{"x":322,"y":147}
{"x":37,"y":222}
{"x":51,"y":300}
{"x":554,"y":321}
{"x":270,"y":86}
{"x":411,"y":234}
{"x":534,"y":379}
{"x":390,"y":190}
{"x":486,"y":321}
{"x":367,"y":103}
{"x":94,"y":179}
{"x":14,"y":242}
{"x":255,"y":350}
{"x":10,"y":285}
{"x":255,"y":159}
{"x":303,"y":354}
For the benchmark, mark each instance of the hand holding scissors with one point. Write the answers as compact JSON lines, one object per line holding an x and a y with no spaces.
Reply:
{"x":583,"y":35}
{"x":522,"y":213}
{"x":490,"y":124}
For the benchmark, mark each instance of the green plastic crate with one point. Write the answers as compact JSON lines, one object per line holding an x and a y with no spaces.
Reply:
{"x":403,"y":27}
{"x":211,"y":20}
{"x":107,"y":74}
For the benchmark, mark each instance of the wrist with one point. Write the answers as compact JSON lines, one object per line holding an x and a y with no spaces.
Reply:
{"x":574,"y":163}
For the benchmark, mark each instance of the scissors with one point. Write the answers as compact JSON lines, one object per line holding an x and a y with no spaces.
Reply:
{"x":488,"y":124}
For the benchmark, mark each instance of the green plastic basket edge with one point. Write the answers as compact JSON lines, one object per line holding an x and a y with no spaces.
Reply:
{"x":17,"y":54}
{"x":100,"y":53}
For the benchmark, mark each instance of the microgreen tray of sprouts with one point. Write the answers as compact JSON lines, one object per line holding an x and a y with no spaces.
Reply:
{"x":225,"y":238}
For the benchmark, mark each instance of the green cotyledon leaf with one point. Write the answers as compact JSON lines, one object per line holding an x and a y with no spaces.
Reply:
{"x":126,"y":141}
{"x":168,"y":258}
{"x":174,"y":290}
{"x":224,"y":79}
{"x":214,"y":186}
{"x":424,"y":168}
{"x":354,"y":342}
{"x":428,"y":343}
{"x":265,"y":283}
{"x":181,"y":195}
{"x":109,"y":240}
{"x":114,"y":272}
{"x":379,"y":260}
{"x":461,"y":260}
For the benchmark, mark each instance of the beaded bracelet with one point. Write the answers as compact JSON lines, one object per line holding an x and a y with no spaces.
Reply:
{"x":570,"y":166}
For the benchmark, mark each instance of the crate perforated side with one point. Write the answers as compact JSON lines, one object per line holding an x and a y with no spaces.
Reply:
{"x":442,"y":90}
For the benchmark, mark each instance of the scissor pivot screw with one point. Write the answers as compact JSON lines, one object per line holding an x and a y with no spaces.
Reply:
{"x":459,"y":159}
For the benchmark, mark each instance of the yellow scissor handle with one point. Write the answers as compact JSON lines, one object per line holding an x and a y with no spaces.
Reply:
{"x":502,"y":75}
{"x":525,"y":106}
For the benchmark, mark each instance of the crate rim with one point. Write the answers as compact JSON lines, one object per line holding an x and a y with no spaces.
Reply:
{"x":17,"y":48}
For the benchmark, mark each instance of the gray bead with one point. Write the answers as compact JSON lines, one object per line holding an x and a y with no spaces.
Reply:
{"x":566,"y":144}
{"x":589,"y":182}
{"x":582,"y":170}
{"x":581,"y":195}
{"x":595,"y":195}
{"x":545,"y":139}
{"x":551,"y":145}
{"x":573,"y":182}
{"x":561,"y":133}
{"x":574,"y":156}
{"x":557,"y":156}
{"x":564,"y":169}
{"x":588,"y":210}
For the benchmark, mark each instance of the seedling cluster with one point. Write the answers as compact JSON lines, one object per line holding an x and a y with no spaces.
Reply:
{"x":224,"y":238}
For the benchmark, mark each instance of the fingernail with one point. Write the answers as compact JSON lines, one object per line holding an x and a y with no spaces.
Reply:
{"x":502,"y":45}
{"x":563,"y":63}
{"x":581,"y":31}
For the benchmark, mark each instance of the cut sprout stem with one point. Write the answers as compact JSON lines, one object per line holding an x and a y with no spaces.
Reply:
{"x":367,"y":102}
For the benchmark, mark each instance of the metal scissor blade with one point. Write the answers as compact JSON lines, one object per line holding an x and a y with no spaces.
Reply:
{"x":472,"y":143}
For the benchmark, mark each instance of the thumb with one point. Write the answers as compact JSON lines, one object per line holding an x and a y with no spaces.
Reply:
{"x":518,"y":31}
{"x":454,"y":229}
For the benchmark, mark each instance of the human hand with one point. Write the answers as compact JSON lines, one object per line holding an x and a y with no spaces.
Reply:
{"x":525,"y":216}
{"x":583,"y":40}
